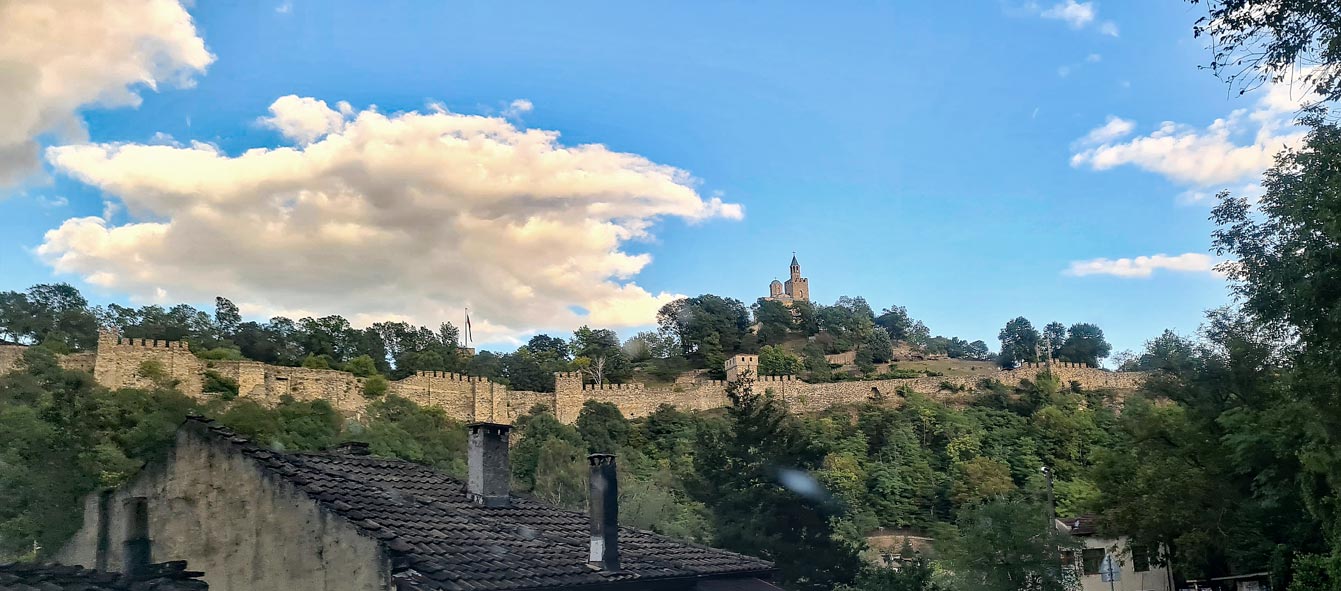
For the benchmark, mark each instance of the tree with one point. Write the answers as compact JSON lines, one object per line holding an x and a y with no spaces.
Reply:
{"x":53,"y":314}
{"x":1085,"y":343}
{"x":227,"y":318}
{"x":1285,"y":251}
{"x":752,"y":474}
{"x":816,"y":364}
{"x":980,"y":479}
{"x":543,"y":344}
{"x":774,"y":320}
{"x":1054,"y":336}
{"x":602,"y":427}
{"x":914,"y":573}
{"x":605,"y":360}
{"x":806,"y":320}
{"x":896,"y":322}
{"x":362,"y":366}
{"x":1008,"y":545}
{"x":977,"y":350}
{"x":1256,"y":41}
{"x":776,"y":361}
{"x":878,"y":343}
{"x":1019,"y":341}
{"x":713,"y":357}
{"x":691,"y":320}
{"x":649,"y":345}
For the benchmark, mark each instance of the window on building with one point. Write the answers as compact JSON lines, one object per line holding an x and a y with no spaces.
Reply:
{"x":1092,"y":559}
{"x":1141,"y":557}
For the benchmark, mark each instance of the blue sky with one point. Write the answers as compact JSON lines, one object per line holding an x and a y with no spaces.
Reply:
{"x":931,"y":155}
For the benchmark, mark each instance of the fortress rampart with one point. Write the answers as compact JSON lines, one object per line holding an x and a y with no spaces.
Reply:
{"x":121,"y":363}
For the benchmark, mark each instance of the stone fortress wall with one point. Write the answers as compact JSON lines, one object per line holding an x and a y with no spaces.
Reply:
{"x":119,"y":363}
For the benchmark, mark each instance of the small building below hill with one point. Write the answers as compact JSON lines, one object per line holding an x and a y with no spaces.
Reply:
{"x":1140,"y":569}
{"x":256,"y":519}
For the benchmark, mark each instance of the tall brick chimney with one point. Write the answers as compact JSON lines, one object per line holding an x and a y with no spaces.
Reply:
{"x":488,"y":470}
{"x":604,"y":499}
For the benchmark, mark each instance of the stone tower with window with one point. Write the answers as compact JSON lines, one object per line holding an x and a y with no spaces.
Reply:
{"x":796,"y":289}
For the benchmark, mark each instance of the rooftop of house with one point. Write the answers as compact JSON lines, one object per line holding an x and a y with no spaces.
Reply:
{"x":1083,"y":525}
{"x":166,"y":576}
{"x":439,"y":540}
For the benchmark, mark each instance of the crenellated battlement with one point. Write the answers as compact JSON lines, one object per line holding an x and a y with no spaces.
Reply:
{"x":116,"y":341}
{"x":452,"y":376}
{"x":1055,"y":365}
{"x":787,"y":378}
{"x":568,"y":375}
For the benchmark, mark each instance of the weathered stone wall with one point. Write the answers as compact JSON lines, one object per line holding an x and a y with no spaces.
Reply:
{"x":847,"y":358}
{"x":118,"y":363}
{"x":10,"y":356}
{"x":216,"y":509}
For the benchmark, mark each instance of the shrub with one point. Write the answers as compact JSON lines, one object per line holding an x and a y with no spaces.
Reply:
{"x":152,"y":369}
{"x":221,"y":354}
{"x":225,"y":387}
{"x":362,"y":366}
{"x":317,"y":362}
{"x":375,"y":386}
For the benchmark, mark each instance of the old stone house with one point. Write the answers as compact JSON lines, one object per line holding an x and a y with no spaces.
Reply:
{"x":251,"y":518}
{"x":1139,"y":567}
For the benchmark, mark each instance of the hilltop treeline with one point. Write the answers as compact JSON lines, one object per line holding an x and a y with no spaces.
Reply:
{"x":693,"y":333}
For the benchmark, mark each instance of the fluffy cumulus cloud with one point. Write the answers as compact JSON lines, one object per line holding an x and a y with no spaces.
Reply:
{"x":410,"y":215}
{"x":1232,"y":151}
{"x":1144,"y":266}
{"x":58,"y":56}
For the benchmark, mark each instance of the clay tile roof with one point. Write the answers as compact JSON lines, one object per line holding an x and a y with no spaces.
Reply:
{"x":166,"y":576}
{"x":1084,"y":525}
{"x":439,"y":540}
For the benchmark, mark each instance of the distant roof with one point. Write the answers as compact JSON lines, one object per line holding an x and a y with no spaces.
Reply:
{"x":166,"y":576}
{"x":438,"y":539}
{"x":794,"y":263}
{"x":1084,"y":525}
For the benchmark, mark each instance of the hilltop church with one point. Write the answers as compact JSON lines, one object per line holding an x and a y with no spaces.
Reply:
{"x":797,"y":288}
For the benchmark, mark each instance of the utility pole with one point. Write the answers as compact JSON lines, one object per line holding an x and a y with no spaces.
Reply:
{"x":1052,"y":506}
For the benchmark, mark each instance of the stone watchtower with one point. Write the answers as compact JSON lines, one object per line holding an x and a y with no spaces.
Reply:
{"x":797,"y":288}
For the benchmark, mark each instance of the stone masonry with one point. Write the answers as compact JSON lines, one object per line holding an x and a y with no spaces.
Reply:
{"x":121,"y":363}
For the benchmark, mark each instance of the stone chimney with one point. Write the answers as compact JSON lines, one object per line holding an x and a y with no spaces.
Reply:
{"x":489,"y":472}
{"x":604,"y":499}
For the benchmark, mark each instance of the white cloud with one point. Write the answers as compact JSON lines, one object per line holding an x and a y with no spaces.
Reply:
{"x":58,"y":56}
{"x":1232,"y":150}
{"x":1094,"y":58}
{"x":415,"y":214}
{"x":1076,"y":14}
{"x":1143,"y":266}
{"x":303,"y":119}
{"x":1064,"y":71}
{"x":1115,"y":128}
{"x":284,"y":7}
{"x":517,"y":108}
{"x":52,"y":202}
